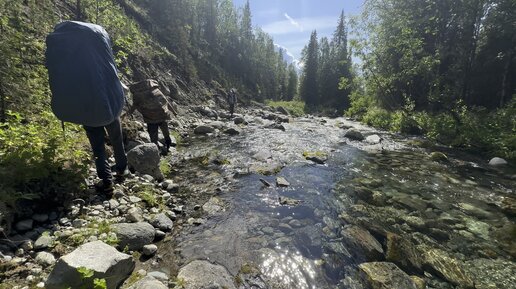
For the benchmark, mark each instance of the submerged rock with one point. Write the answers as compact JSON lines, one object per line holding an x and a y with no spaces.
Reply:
{"x":402,"y":252}
{"x":362,"y":242}
{"x":384,"y":275}
{"x":286,"y":201}
{"x":450,"y":269}
{"x":203,"y":274}
{"x":104,"y":261}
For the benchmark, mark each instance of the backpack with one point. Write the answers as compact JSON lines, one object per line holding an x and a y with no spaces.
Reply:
{"x":150,"y":101}
{"x":232,"y":98}
{"x":82,"y":75}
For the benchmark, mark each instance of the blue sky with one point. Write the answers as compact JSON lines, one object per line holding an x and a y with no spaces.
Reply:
{"x":290,"y":22}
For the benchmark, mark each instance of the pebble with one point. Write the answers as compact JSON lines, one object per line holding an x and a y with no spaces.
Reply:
{"x":78,"y":223}
{"x":149,"y":250}
{"x":113,"y":204}
{"x":158,"y":275}
{"x":45,"y":259}
{"x":134,"y":199}
{"x":159,"y":235}
{"x":43,"y":242}
{"x":40,"y":285}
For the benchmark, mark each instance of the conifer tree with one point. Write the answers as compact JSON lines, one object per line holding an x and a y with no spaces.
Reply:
{"x":309,"y":92}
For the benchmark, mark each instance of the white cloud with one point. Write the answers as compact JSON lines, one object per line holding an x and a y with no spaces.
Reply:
{"x":294,"y":22}
{"x":312,"y":23}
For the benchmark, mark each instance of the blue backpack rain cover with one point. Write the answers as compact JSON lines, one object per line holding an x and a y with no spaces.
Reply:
{"x":82,"y":74}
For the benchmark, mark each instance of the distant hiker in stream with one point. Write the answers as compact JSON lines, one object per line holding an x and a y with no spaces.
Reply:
{"x":232,"y":100}
{"x":155,"y":109}
{"x":86,"y":91}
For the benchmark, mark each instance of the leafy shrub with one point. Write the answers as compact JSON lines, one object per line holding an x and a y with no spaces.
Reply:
{"x":39,"y":160}
{"x":294,"y":107}
{"x":378,"y":117}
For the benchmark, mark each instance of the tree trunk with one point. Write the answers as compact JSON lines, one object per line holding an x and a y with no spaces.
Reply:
{"x":505,"y":78}
{"x":78,"y":14}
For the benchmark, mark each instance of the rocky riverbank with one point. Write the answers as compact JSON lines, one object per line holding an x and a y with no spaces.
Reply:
{"x":355,"y":207}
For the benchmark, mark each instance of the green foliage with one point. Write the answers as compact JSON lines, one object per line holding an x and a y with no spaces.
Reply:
{"x":165,"y":167}
{"x":88,"y":280}
{"x":294,"y":107}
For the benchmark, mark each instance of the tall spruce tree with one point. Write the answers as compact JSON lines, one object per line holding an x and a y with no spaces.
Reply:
{"x":310,"y":89}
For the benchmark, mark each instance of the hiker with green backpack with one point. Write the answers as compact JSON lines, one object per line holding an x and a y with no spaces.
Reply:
{"x":86,"y":90}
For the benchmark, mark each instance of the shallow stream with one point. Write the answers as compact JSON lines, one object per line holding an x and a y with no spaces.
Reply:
{"x":460,"y":206}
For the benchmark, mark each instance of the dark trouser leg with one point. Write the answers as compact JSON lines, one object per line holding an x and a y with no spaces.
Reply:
{"x":231,"y":109}
{"x":96,"y":138}
{"x":152,"y":128}
{"x":166,"y":133}
{"x":114,"y":130}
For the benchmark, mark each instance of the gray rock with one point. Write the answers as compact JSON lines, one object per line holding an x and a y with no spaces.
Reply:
{"x":148,"y":282}
{"x":438,"y":157}
{"x":78,"y":223}
{"x":362,"y":243}
{"x":43,"y":242}
{"x":45,"y":259}
{"x":40,"y":218}
{"x":105,"y":262}
{"x":162,"y":222}
{"x":134,"y":235}
{"x":282,"y":110}
{"x":373,"y":139}
{"x":149,"y":250}
{"x":204,"y":129}
{"x":160,"y":235}
{"x":203,"y":274}
{"x":354,"y":135}
{"x":113,"y":204}
{"x":134,"y":199}
{"x":401,"y":251}
{"x":286,"y":201}
{"x":282,"y":182}
{"x":135,"y":215}
{"x":24,"y":225}
{"x":158,"y":276}
{"x":497,"y":162}
{"x":213,"y":206}
{"x":384,"y":275}
{"x":239,"y":120}
{"x":232,"y":131}
{"x":439,"y":263}
{"x":145,"y":160}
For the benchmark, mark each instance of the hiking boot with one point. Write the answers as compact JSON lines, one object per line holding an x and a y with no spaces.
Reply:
{"x":105,"y":187}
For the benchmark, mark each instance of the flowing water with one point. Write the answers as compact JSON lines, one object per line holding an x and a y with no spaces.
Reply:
{"x":458,"y":206}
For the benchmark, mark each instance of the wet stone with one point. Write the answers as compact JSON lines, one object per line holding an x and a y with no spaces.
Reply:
{"x":402,"y":252}
{"x":24,"y":225}
{"x":450,"y":269}
{"x":282,"y":182}
{"x":149,"y":250}
{"x":384,"y":275}
{"x":354,"y":135}
{"x":362,"y":242}
{"x":286,"y":201}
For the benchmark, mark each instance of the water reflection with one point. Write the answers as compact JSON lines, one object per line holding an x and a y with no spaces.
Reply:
{"x":288,"y":269}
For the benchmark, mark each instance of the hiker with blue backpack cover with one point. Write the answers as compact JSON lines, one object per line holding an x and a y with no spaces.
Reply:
{"x":86,"y":90}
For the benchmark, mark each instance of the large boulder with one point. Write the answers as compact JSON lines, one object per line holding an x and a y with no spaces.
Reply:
{"x":145,"y":160}
{"x":362,"y":243}
{"x":385,"y":275}
{"x":203,"y":274}
{"x":148,"y":282}
{"x":354,"y":135}
{"x":134,"y":235}
{"x":104,"y":261}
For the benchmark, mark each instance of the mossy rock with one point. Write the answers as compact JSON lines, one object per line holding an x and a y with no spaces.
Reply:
{"x":438,"y":157}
